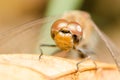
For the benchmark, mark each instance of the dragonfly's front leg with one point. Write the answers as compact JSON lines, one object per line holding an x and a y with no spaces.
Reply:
{"x":45,"y":45}
{"x":48,"y":45}
{"x":57,"y":52}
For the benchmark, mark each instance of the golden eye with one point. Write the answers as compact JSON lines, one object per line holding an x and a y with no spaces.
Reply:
{"x":57,"y":25}
{"x":75,"y":28}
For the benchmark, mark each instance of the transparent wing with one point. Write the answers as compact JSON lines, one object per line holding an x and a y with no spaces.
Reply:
{"x":24,"y":38}
{"x":114,"y":51}
{"x":102,"y":48}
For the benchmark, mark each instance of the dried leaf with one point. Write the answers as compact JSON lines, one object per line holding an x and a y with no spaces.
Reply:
{"x":29,"y":67}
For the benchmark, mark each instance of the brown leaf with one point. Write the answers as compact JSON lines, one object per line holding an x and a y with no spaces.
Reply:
{"x":29,"y":67}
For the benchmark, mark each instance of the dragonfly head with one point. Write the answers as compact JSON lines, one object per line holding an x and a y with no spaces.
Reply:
{"x":66,"y":35}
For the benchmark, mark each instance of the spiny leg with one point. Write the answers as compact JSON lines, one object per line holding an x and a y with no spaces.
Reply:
{"x":47,"y":45}
{"x":41,"y":53}
{"x":44,"y":45}
{"x":96,"y":67}
{"x":85,"y":59}
{"x":83,"y":54}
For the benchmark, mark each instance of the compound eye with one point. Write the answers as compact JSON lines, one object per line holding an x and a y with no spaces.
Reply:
{"x":75,"y":28}
{"x":58,"y":25}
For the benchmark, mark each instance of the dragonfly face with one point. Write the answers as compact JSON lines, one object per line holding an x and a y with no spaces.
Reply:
{"x":67,"y":35}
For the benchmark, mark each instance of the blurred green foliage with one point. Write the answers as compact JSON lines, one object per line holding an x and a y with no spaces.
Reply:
{"x":55,"y":7}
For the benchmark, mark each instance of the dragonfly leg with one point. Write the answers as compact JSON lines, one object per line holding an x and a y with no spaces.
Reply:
{"x":41,"y":53}
{"x":87,"y":58}
{"x":47,"y":45}
{"x":44,"y":45}
{"x":82,"y":53}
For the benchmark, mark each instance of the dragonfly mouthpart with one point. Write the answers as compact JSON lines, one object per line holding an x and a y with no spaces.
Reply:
{"x":65,"y":31}
{"x":64,"y":40}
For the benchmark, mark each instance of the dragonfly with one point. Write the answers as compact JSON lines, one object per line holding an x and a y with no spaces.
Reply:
{"x":74,"y":30}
